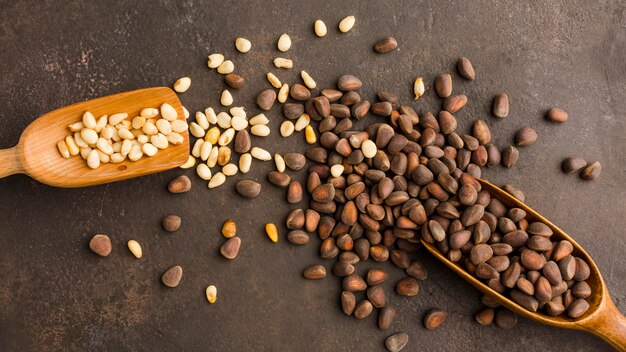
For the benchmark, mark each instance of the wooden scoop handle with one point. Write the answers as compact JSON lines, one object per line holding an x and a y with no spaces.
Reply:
{"x":10,"y":162}
{"x":610,"y":325}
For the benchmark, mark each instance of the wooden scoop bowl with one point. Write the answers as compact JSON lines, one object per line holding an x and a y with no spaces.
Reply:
{"x":36,"y":153}
{"x":602,"y":319}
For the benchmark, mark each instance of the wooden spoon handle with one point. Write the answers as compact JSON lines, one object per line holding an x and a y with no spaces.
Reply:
{"x":610,"y":325}
{"x":10,"y":162}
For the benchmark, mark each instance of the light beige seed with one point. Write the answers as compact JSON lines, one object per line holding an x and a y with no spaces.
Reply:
{"x":215,"y":60}
{"x":243,"y":45}
{"x":89,"y":136}
{"x":149,"y":149}
{"x":102,"y":122}
{"x":211,"y":294}
{"x":126,"y":147}
{"x":223,"y":156}
{"x":280,"y":62}
{"x":179,"y":126}
{"x":89,"y":121}
{"x":346,"y":24}
{"x":108,"y":131}
{"x":135,"y":248}
{"x":418,"y":88}
{"x":320,"y":28}
{"x":309,"y":134}
{"x":239,"y":123}
{"x":226,"y":137}
{"x":117,"y":158}
{"x":124,"y":124}
{"x":245,"y":161}
{"x":164,"y":126}
{"x":283,"y":93}
{"x":80,"y":142}
{"x":117,"y":118}
{"x":217,"y":180}
{"x":149,"y":113}
{"x":185,"y":113}
{"x":159,"y":141}
{"x":104,"y":158}
{"x":103,"y":144}
{"x":212,"y":160}
{"x":212,"y":135}
{"x":93,"y":159}
{"x":196,"y":130}
{"x":84,"y":152}
{"x":142,"y":139}
{"x":203,"y":171}
{"x":210,"y":115}
{"x":260,"y":154}
{"x":229,"y":169}
{"x":284,"y":42}
{"x":63,"y":149}
{"x":168,"y":112}
{"x":72,"y":147}
{"x":223,"y":120}
{"x":75,"y":127}
{"x":368,"y":148}
{"x":205,"y":150}
{"x":191,"y":161}
{"x":137,"y":122}
{"x":148,"y":128}
{"x":274,"y":81}
{"x":202,"y":120}
{"x":238,"y":111}
{"x":117,"y":147}
{"x":197,"y":148}
{"x":302,"y":121}
{"x":175,"y":138}
{"x":259,"y":119}
{"x":336,"y":170}
{"x":286,"y":128}
{"x":226,"y":67}
{"x":308,"y":80}
{"x":280,"y":162}
{"x":260,"y":130}
{"x":135,"y":153}
{"x":182,"y":84}
{"x":226,"y":99}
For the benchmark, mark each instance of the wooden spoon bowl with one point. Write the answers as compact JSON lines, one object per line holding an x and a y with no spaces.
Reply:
{"x":36,"y":153}
{"x":602,"y":318}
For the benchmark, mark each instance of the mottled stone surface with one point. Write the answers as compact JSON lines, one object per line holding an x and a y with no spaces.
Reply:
{"x":57,"y":295}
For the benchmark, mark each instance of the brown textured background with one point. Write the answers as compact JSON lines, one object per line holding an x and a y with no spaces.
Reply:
{"x":56,"y":295}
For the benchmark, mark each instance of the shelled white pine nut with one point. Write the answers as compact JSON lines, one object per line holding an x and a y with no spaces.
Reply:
{"x":182,"y":84}
{"x":260,"y":130}
{"x":320,"y":28}
{"x":217,"y":180}
{"x":243,"y":45}
{"x":203,"y":171}
{"x":283,"y":93}
{"x":259,"y":119}
{"x":284,"y":42}
{"x":346,"y":24}
{"x":245,"y":161}
{"x":230,"y":169}
{"x":215,"y":60}
{"x":226,"y":67}
{"x":280,"y":162}
{"x":149,"y":149}
{"x":223,"y":120}
{"x":89,"y":121}
{"x":197,"y":148}
{"x":286,"y":128}
{"x":280,"y":62}
{"x":63,"y":150}
{"x":168,"y":112}
{"x":239,"y":123}
{"x":205,"y":150}
{"x":238,"y":111}
{"x":185,"y":113}
{"x":93,"y":159}
{"x":179,"y":126}
{"x":226,"y":98}
{"x":260,"y":154}
{"x":308,"y":80}
{"x":210,"y":115}
{"x":274,"y":81}
{"x":191,"y":161}
{"x":72,"y":147}
{"x":226,"y":137}
{"x":212,"y":160}
{"x":149,"y":113}
{"x":302,"y":121}
{"x":212,"y":135}
{"x":202,"y":120}
{"x":196,"y":130}
{"x":164,"y":126}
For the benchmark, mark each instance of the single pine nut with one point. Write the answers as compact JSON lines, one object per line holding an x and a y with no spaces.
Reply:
{"x":137,"y":123}
{"x":226,"y":99}
{"x":239,"y":123}
{"x":210,"y":115}
{"x":185,"y":113}
{"x":148,"y":128}
{"x":280,"y":162}
{"x":243,"y":45}
{"x":191,"y":161}
{"x":93,"y":159}
{"x":418,"y":87}
{"x":102,"y":122}
{"x":72,"y":147}
{"x":108,"y":131}
{"x":180,"y":126}
{"x":89,"y":136}
{"x":238,"y":111}
{"x":149,"y":149}
{"x":212,"y":160}
{"x":103,"y":144}
{"x":217,"y":180}
{"x":168,"y":112}
{"x":84,"y":152}
{"x":272,"y":232}
{"x":223,"y":156}
{"x":104,"y":158}
{"x":245,"y":161}
{"x":175,"y":138}
{"x":117,"y":158}
{"x":149,"y":113}
{"x":164,"y":126}
{"x":215,"y":60}
{"x":284,"y":42}
{"x":195,"y":130}
{"x":63,"y":149}
{"x":274,"y":81}
{"x":203,"y":171}
{"x":280,"y":62}
{"x":80,"y":142}
{"x":182,"y":84}
{"x":135,"y":248}
{"x":336,"y":170}
{"x":309,"y":134}
{"x":159,"y":141}
{"x":346,"y":24}
{"x":302,"y":121}
{"x":260,"y":154}
{"x":124,"y":124}
{"x":368,"y":148}
{"x":229,"y":169}
{"x":226,"y":67}
{"x":126,"y":147}
{"x":226,"y":137}
{"x":211,"y":294}
{"x":202,"y":120}
{"x":223,"y":120}
{"x":212,"y":135}
{"x":286,"y":128}
{"x":76,"y":126}
{"x":260,"y":130}
{"x":197,"y":147}
{"x":89,"y":121}
{"x":308,"y":80}
{"x":205,"y":150}
{"x":320,"y":28}
{"x":259,"y":119}
{"x":117,"y":147}
{"x":117,"y":118}
{"x":283,"y":93}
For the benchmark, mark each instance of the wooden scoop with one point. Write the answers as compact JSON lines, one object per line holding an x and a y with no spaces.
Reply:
{"x":36,"y":153}
{"x":602,"y":319}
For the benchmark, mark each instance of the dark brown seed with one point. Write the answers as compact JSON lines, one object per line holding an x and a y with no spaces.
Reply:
{"x":386,"y":317}
{"x":382,"y":108}
{"x":510,"y":155}
{"x":376,"y":295}
{"x":406,"y":123}
{"x":300,"y":92}
{"x":322,"y":105}
{"x":386,"y":45}
{"x":388,"y":96}
{"x":591,"y":171}
{"x":556,"y":115}
{"x":539,"y":229}
{"x":539,"y":243}
{"x":480,"y":253}
{"x":573,"y":164}
{"x":481,"y":131}
{"x":294,"y":161}
{"x":180,"y":184}
{"x":242,"y":142}
{"x":317,"y":154}
{"x":354,"y":283}
{"x":485,"y":316}
{"x":525,"y":137}
{"x":397,"y":342}
{"x":348,"y":302}
{"x":543,"y":290}
{"x":324,"y":193}
{"x":101,"y":245}
{"x":525,"y":286}
{"x":277,"y":178}
{"x":294,"y":192}
{"x":171,"y":223}
{"x":311,"y":220}
{"x":349,"y":257}
{"x":348,"y":82}
{"x":295,"y":219}
{"x":443,"y":85}
{"x":230,"y":248}
{"x":501,"y":105}
{"x":340,"y":111}
{"x":360,"y":109}
{"x":298,"y":237}
{"x":325,"y":227}
{"x":567,"y":266}
{"x":379,"y":253}
{"x":511,"y":275}
{"x":363,"y":309}
{"x":505,"y":319}
{"x":376,"y":277}
{"x":234,"y":81}
{"x":472,"y":215}
{"x":486,"y":271}
{"x":332,"y":94}
{"x":581,"y":289}
{"x":171,"y":278}
{"x":554,"y":308}
{"x":493,"y":155}
{"x":293,"y":110}
{"x":350,"y":98}
{"x":514,"y":191}
{"x":447,"y":122}
{"x":524,"y":300}
{"x":577,"y":308}
{"x":400,"y":258}
{"x":466,"y":70}
{"x":516,"y":214}
{"x":408,"y":287}
{"x":436,"y":231}
{"x":582,"y":270}
{"x":342,"y":268}
{"x":434,"y":318}
{"x":248,"y":188}
{"x":328,"y":249}
{"x":532,"y":260}
{"x":454,"y":103}
{"x":314,"y":272}
{"x":562,"y":250}
{"x":265,"y":100}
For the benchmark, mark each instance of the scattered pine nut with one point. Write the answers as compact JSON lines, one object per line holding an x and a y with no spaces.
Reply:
{"x":223,"y":120}
{"x":286,"y":128}
{"x":245,"y":161}
{"x":230,"y":169}
{"x":226,"y":67}
{"x":212,"y":135}
{"x":320,"y":28}
{"x":64,"y":151}
{"x":308,"y":80}
{"x":182,"y":84}
{"x":280,"y":162}
{"x":260,"y":154}
{"x":418,"y":87}
{"x":302,"y":121}
{"x":226,"y":98}
{"x":243,"y":45}
{"x":217,"y":180}
{"x":196,"y":130}
{"x":280,"y":62}
{"x":259,"y":119}
{"x":283,"y":93}
{"x":149,"y":113}
{"x":346,"y":24}
{"x":284,"y":42}
{"x":203,"y":171}
{"x":93,"y":159}
{"x":260,"y":130}
{"x":202,"y":120}
{"x":191,"y":161}
{"x":309,"y":134}
{"x":210,"y":115}
{"x":226,"y":137}
{"x":135,"y":248}
{"x":274,"y":81}
{"x":212,"y":160}
{"x":229,"y":229}
{"x":72,"y":147}
{"x":211,"y":294}
{"x":336,"y":170}
{"x":215,"y":60}
{"x":272,"y":232}
{"x":185,"y":113}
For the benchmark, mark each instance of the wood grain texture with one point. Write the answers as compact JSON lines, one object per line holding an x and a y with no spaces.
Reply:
{"x":36,"y":153}
{"x":602,"y":319}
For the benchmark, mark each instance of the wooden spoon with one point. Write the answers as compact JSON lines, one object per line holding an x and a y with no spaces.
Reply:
{"x":36,"y":153}
{"x":603,"y":319}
